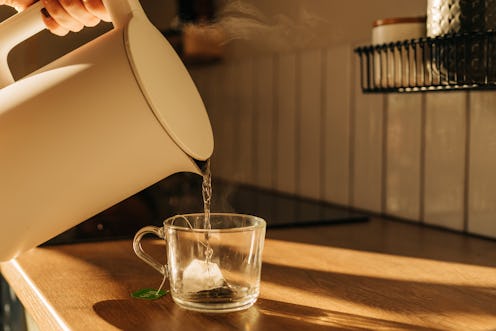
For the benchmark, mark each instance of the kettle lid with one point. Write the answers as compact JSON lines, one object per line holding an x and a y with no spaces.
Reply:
{"x":168,"y":88}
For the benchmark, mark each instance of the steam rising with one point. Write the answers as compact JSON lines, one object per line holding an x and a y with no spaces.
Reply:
{"x":243,"y":21}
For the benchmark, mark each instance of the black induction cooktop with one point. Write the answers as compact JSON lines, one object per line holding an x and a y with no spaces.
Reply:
{"x":181,"y":193}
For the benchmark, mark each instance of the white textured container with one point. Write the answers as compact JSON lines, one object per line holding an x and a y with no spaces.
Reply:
{"x":396,"y":29}
{"x":389,"y":67}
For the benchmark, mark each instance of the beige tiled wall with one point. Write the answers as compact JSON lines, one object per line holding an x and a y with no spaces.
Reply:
{"x":482,"y":164}
{"x":264,"y":114}
{"x":286,"y":123}
{"x":403,"y":155}
{"x":337,"y":91}
{"x":367,"y":149}
{"x":445,"y":159}
{"x":423,"y":157}
{"x":309,"y":132}
{"x":298,"y":122}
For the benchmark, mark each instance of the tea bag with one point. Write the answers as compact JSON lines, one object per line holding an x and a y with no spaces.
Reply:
{"x":201,"y":276}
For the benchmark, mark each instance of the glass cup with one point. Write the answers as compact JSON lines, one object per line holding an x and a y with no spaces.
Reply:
{"x":214,"y":269}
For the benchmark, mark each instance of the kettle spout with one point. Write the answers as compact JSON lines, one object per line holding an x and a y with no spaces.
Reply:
{"x":203,"y":166}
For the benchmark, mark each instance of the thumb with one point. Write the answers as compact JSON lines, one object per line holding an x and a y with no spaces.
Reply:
{"x":19,"y":5}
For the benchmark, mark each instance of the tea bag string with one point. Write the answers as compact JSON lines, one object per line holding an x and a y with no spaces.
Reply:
{"x":161,"y":284}
{"x":207,"y":247}
{"x":165,"y":274}
{"x":204,"y":244}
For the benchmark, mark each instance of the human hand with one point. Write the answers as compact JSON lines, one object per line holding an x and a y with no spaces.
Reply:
{"x":62,"y":16}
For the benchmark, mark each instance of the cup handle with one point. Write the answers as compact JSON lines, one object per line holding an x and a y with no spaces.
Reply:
{"x":159,"y":232}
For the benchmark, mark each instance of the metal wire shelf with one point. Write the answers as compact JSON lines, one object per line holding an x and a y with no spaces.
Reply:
{"x":450,"y":62}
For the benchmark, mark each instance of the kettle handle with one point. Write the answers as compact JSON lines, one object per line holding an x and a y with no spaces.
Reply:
{"x":13,"y":31}
{"x":27,"y":23}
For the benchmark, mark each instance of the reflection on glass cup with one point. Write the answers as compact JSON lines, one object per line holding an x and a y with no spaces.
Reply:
{"x":210,"y":270}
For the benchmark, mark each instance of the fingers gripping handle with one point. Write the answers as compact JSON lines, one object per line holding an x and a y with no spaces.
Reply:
{"x":159,"y":232}
{"x":27,"y":23}
{"x":13,"y":31}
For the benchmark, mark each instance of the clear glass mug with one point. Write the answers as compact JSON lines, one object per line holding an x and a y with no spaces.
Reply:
{"x":210,"y":270}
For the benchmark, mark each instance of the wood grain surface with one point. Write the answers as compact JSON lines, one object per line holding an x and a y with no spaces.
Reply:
{"x":376,"y":275}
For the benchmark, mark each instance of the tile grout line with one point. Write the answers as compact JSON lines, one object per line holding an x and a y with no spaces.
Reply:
{"x":297,"y":122}
{"x":232,"y":120}
{"x":423,"y":149}
{"x":384,"y":146}
{"x":466,"y":184}
{"x":323,"y":121}
{"x":237,"y":125}
{"x":351,"y":133}
{"x":254,"y":109}
{"x":275,"y":120}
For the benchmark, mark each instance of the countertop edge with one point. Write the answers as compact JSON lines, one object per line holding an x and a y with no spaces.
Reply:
{"x":33,"y":301}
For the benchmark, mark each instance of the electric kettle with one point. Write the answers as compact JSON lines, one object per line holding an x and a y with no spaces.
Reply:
{"x":93,"y":127}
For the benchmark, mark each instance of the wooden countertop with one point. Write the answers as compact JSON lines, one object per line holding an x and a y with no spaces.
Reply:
{"x":376,"y":275}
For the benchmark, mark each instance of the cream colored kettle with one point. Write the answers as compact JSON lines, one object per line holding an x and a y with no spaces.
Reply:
{"x":93,"y":127}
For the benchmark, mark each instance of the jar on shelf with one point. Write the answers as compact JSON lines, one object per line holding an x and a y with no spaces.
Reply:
{"x":396,"y":58}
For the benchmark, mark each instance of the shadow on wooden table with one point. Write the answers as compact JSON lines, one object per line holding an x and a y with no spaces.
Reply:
{"x":278,"y":315}
{"x":265,"y":315}
{"x":382,"y":294}
{"x":397,"y":238}
{"x":307,"y":298}
{"x":306,"y":289}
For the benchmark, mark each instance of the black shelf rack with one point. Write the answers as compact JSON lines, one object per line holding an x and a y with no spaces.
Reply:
{"x":451,"y":62}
